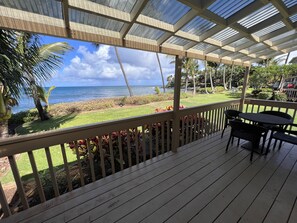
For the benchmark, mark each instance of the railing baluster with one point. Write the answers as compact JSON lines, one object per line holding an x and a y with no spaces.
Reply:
{"x":168,"y":135}
{"x":52,"y":172}
{"x":129,"y":148}
{"x":82,"y":180}
{"x":183,"y":131}
{"x":162,"y":137}
{"x":212,"y":121}
{"x":187,"y":128}
{"x":136,"y":145}
{"x":191,"y":128}
{"x":195,"y":127}
{"x":151,"y":140}
{"x":111,"y":153}
{"x":143,"y":144}
{"x":157,"y":139}
{"x":36,"y":176}
{"x":91,"y":160}
{"x":18,"y":181}
{"x":120,"y":150}
{"x":246,"y":108}
{"x":66,"y":167}
{"x":3,"y":202}
{"x":102,"y":160}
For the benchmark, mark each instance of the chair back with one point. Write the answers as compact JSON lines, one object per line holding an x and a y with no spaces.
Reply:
{"x":243,"y":128}
{"x":231,"y":114}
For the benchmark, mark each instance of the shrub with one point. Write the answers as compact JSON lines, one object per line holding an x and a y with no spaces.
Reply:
{"x":280,"y":96}
{"x":220,"y":89}
{"x":264,"y":95}
{"x":157,"y":90}
{"x":256,"y":92}
{"x":23,"y":117}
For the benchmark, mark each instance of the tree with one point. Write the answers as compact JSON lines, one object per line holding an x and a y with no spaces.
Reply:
{"x":159,"y":62}
{"x":123,"y":71}
{"x":205,"y":76}
{"x":39,"y":63}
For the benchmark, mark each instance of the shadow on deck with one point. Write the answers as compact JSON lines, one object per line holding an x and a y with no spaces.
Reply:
{"x":200,"y":183}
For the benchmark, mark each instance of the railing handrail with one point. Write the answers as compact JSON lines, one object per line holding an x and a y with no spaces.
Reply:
{"x":281,"y":104}
{"x":15,"y":145}
{"x":289,"y":89}
{"x":209,"y":106}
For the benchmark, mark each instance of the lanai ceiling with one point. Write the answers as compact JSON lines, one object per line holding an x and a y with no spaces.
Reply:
{"x":227,"y":31}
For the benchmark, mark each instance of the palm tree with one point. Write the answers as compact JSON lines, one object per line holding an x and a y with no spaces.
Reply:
{"x":205,"y":76}
{"x":161,"y":71}
{"x":123,"y":71}
{"x":39,"y":63}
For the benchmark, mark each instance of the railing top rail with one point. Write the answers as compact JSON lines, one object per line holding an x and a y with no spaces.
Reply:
{"x":14,"y":145}
{"x":205,"y":107}
{"x":281,"y":104}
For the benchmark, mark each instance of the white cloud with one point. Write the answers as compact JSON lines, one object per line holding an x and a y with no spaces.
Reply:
{"x":101,"y":65}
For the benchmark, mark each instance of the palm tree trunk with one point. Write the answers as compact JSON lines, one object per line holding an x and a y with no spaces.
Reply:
{"x":205,"y":77}
{"x":210,"y":79}
{"x":224,"y":78}
{"x":186,"y":87}
{"x":123,"y":71}
{"x":194,"y":85}
{"x":161,"y":72}
{"x":230,"y":84}
{"x":4,"y":129}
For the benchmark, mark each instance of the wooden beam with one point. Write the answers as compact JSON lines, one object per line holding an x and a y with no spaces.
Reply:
{"x":137,"y":9}
{"x":244,"y":88}
{"x":65,"y":8}
{"x":176,"y":104}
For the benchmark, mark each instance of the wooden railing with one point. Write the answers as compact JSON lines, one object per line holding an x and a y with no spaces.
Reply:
{"x":254,"y":105}
{"x":291,"y":94}
{"x":102,"y":149}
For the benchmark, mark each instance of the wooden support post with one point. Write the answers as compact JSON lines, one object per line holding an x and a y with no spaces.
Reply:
{"x":244,"y":88}
{"x":176,"y":103}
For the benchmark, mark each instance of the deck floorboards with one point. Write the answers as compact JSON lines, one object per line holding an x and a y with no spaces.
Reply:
{"x":200,"y":183}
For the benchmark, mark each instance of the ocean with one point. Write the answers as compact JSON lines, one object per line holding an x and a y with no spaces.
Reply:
{"x":73,"y":94}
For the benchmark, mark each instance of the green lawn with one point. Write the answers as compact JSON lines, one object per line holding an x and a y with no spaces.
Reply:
{"x":88,"y":118}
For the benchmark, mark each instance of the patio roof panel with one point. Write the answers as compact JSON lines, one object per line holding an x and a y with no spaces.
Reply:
{"x":290,"y":3}
{"x":178,"y":41}
{"x":228,"y":8}
{"x":36,"y":6}
{"x":258,"y":16}
{"x":224,"y":34}
{"x":145,"y":32}
{"x":198,"y":26}
{"x":270,"y":29}
{"x":239,"y":42}
{"x":94,"y":20}
{"x":165,"y":11}
{"x":122,"y":5}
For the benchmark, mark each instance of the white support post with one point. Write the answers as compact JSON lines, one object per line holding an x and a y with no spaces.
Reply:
{"x":244,"y":88}
{"x":176,"y":103}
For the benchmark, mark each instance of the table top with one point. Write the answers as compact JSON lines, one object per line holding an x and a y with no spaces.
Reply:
{"x":265,"y":118}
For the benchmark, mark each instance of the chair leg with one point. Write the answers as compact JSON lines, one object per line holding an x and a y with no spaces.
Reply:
{"x":280,"y":144}
{"x":269,"y":142}
{"x":238,"y":141}
{"x":223,"y":131}
{"x":228,"y":143}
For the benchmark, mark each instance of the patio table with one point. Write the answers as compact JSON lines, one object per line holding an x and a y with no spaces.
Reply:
{"x":262,"y":118}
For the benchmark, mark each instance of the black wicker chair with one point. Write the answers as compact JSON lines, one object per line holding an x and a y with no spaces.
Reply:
{"x":230,"y":114}
{"x":283,"y":135}
{"x":249,"y":132}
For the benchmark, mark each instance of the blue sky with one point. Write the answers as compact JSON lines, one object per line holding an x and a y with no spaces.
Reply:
{"x":87,"y":66}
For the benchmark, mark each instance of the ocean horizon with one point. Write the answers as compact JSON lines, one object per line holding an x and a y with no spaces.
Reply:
{"x":84,"y":93}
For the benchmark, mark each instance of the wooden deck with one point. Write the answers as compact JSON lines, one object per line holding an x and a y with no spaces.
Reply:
{"x":200,"y":183}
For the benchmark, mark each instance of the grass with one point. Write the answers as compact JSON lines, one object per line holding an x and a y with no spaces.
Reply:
{"x":77,"y":119}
